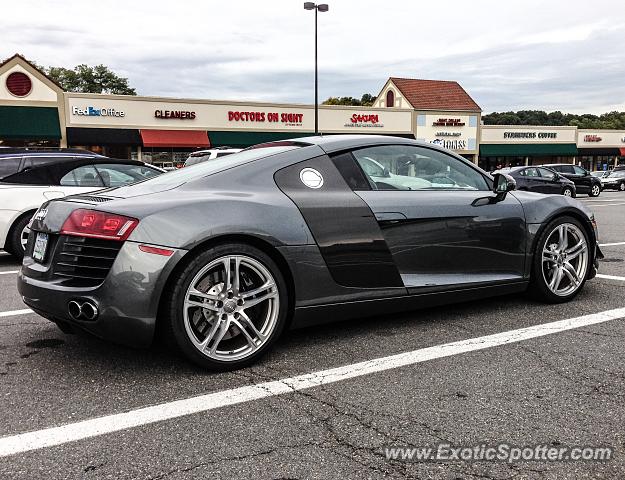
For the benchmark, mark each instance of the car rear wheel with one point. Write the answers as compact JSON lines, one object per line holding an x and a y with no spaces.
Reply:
{"x":228,"y":307}
{"x":595,"y":191}
{"x":18,"y":238}
{"x":567,"y":192}
{"x":561,"y":261}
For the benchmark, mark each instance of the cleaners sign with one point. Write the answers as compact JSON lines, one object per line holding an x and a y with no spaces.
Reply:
{"x":98,"y":112}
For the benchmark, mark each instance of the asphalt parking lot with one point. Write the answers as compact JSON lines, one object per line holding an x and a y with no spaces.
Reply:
{"x":562,"y":387}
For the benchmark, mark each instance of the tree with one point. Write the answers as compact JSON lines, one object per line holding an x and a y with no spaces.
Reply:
{"x":611,"y":120}
{"x":365,"y":101}
{"x":86,"y":79}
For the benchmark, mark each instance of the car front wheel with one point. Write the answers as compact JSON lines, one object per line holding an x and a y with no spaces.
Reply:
{"x":561,"y":261}
{"x":621,"y":186}
{"x":595,"y":191}
{"x":227,"y":307}
{"x":567,"y":192}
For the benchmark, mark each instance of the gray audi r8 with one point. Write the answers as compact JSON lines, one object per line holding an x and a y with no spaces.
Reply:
{"x":219,"y":258}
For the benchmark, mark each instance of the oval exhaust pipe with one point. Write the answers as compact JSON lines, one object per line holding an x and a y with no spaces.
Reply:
{"x":74,"y":309}
{"x":82,"y":310}
{"x":89,"y":311}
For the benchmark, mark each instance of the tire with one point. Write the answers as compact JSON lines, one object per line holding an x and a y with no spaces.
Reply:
{"x":621,"y":187}
{"x":15,"y":245}
{"x":595,"y":191}
{"x":551,"y":259}
{"x":237,"y":326}
{"x":568,"y":192}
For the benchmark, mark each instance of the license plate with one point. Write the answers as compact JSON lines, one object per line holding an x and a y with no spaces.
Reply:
{"x":41,"y":245}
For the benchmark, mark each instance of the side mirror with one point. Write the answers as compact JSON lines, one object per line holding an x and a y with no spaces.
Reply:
{"x":387,"y":172}
{"x":503,"y":183}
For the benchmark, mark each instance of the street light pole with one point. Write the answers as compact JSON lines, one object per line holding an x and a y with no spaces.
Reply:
{"x":317,"y":8}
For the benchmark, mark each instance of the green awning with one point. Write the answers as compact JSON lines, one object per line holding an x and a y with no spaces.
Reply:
{"x":528,"y":149}
{"x":30,"y":123}
{"x":246,"y":139}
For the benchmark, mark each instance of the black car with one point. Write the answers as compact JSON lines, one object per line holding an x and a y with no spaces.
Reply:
{"x":584,"y":181}
{"x":15,"y":160}
{"x":615,"y":180}
{"x":222,"y":256}
{"x":541,"y":180}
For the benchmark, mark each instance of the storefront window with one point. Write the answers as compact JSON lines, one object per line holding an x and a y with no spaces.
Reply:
{"x":166,"y":158}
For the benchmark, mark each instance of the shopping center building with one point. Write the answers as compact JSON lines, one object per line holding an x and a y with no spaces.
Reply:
{"x":35,"y":111}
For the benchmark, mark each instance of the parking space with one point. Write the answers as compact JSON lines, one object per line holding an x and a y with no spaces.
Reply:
{"x":561,"y":388}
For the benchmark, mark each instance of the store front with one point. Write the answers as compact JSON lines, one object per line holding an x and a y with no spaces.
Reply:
{"x":601,"y":149}
{"x":509,"y":146}
{"x":164,"y":131}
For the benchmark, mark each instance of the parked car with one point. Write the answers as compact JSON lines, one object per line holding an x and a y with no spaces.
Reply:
{"x":541,"y":180}
{"x":204,"y":155}
{"x":600,"y":173}
{"x":28,"y":179}
{"x":584,"y":181}
{"x":615,"y":180}
{"x":221,"y":257}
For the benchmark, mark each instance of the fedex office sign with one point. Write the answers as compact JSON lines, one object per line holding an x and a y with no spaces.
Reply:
{"x":97,"y":112}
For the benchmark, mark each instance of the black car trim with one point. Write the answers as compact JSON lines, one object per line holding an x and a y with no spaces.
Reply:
{"x":343,"y":225}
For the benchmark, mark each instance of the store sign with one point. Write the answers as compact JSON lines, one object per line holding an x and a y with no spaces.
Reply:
{"x":272,"y":117}
{"x":530,"y":135}
{"x":98,"y":112}
{"x":592,"y":138}
{"x":360,"y":120}
{"x":450,"y":144}
{"x":177,"y":114}
{"x":448,"y":122}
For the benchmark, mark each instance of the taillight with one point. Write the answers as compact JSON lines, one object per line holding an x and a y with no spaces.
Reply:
{"x":94,"y":224}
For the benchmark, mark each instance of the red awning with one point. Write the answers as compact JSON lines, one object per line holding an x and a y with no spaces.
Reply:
{"x":175,"y":138}
{"x":622,"y":150}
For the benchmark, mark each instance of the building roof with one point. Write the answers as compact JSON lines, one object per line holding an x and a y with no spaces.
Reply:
{"x":23,"y":60}
{"x":435,"y":94}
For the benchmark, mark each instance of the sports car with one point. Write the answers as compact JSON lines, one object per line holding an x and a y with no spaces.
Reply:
{"x":221,"y":257}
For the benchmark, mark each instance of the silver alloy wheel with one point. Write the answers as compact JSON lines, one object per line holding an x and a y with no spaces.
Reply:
{"x":565,"y":259}
{"x":567,"y":192}
{"x":596,"y":190}
{"x":621,"y":187}
{"x":231,"y":308}
{"x":24,"y":237}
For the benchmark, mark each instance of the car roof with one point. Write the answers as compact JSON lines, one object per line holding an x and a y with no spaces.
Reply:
{"x":25,"y":152}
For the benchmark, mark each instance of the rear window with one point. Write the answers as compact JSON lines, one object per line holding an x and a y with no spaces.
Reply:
{"x":9,"y":166}
{"x":117,"y":175}
{"x":178,"y":177}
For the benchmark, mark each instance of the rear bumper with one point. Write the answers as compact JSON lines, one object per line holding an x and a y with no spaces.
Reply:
{"x":127,"y":300}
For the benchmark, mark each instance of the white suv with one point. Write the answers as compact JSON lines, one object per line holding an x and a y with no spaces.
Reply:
{"x":203,"y":155}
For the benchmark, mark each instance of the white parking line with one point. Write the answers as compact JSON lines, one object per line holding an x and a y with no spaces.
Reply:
{"x":6,"y":272}
{"x":610,"y":277}
{"x":49,"y":437}
{"x":10,"y":313}
{"x":607,"y":205}
{"x":611,"y":244}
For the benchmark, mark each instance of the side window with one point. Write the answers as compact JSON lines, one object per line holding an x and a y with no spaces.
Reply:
{"x":34,"y":162}
{"x":579,"y":170}
{"x":566,"y":169}
{"x":404,"y":167}
{"x":9,"y":166}
{"x":546,"y":173}
{"x":85,"y":176}
{"x":532,"y":172}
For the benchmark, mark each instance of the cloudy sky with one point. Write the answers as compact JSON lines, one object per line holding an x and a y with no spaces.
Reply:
{"x":508,"y":54}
